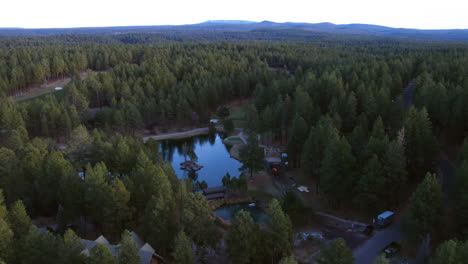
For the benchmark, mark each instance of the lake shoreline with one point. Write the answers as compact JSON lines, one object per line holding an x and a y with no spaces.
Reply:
{"x":178,"y":135}
{"x":181,"y":135}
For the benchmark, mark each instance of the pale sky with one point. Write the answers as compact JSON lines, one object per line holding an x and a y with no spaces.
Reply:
{"x":423,"y":14}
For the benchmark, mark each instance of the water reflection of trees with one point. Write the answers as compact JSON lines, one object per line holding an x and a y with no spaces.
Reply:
{"x":182,"y":147}
{"x":193,"y":175}
{"x":186,"y":147}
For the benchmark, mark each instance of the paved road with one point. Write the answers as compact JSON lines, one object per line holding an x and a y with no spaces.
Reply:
{"x":372,"y":248}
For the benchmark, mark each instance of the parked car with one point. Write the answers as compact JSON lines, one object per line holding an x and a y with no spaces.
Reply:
{"x":391,"y":249}
{"x":368,"y":230}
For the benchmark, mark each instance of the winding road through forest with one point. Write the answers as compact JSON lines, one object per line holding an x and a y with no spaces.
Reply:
{"x":372,"y":248}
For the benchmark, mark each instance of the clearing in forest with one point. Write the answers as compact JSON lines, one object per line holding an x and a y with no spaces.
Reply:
{"x":43,"y":89}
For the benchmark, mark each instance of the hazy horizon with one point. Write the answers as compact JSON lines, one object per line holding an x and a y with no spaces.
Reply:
{"x":224,"y":20}
{"x":416,"y":14}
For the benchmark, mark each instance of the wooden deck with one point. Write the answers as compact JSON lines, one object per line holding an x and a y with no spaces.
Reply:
{"x":213,"y":190}
{"x":214,"y":196}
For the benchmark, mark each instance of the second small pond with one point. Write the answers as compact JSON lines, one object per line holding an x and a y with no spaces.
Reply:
{"x":228,"y":212}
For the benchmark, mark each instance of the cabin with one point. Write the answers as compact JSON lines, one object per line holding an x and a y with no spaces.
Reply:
{"x":272,"y":156}
{"x":145,"y":251}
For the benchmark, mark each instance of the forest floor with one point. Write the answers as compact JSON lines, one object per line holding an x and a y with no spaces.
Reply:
{"x":262,"y":181}
{"x":48,"y":87}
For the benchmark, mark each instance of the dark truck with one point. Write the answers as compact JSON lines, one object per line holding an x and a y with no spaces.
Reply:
{"x":391,"y":249}
{"x":384,"y":219}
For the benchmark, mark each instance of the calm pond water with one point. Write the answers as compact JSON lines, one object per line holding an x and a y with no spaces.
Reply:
{"x":228,"y":212}
{"x":206,"y":150}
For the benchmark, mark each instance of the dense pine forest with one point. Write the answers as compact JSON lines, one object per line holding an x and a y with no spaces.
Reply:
{"x":367,"y":119}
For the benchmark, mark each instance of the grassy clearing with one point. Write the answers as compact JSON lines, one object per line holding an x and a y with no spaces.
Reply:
{"x":42,"y":90}
{"x":58,"y":94}
{"x":239,"y":112}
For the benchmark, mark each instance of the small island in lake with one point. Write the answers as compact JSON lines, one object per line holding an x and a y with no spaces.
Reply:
{"x":190,"y":166}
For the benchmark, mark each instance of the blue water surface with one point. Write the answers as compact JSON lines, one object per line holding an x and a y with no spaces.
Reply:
{"x":206,"y":150}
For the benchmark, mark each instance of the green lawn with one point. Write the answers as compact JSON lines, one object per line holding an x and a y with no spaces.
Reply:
{"x":46,"y":89}
{"x":238,"y":113}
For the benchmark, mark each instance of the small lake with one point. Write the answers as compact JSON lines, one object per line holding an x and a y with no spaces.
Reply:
{"x":206,"y":150}
{"x":228,"y":212}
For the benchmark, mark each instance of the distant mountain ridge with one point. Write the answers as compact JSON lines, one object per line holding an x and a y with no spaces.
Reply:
{"x":227,"y":26}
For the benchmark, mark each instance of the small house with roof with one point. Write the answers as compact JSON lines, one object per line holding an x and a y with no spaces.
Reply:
{"x":145,"y":251}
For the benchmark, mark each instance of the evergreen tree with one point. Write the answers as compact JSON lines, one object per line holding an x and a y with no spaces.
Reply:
{"x":292,"y":205}
{"x":394,"y":171}
{"x":72,"y":248}
{"x":6,"y":235}
{"x":55,"y":168}
{"x":97,"y":192}
{"x":296,"y":139}
{"x":336,"y":252}
{"x":420,"y":147}
{"x":69,"y":195}
{"x":426,"y":207}
{"x":9,"y":175}
{"x":378,"y":140}
{"x":252,"y":118}
{"x":117,"y":212}
{"x":128,"y":250}
{"x":451,"y":252}
{"x":337,"y":171}
{"x":370,"y":187}
{"x":463,"y":153}
{"x":244,"y":229}
{"x":159,"y":222}
{"x":78,"y":147}
{"x":19,"y":220}
{"x":288,"y":260}
{"x":320,"y":136}
{"x":266,"y":120}
{"x":280,"y":231}
{"x":183,"y":253}
{"x":100,"y":254}
{"x":37,"y":247}
{"x":251,"y":155}
{"x":460,"y":197}
{"x":196,"y":213}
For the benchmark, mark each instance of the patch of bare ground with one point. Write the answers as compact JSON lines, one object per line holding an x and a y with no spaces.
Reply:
{"x":262,"y":182}
{"x":45,"y":88}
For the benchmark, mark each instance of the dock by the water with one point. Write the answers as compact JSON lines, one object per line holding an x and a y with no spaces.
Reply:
{"x":214,"y":193}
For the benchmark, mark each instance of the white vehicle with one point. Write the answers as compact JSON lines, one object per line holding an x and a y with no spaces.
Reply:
{"x":384,"y":219}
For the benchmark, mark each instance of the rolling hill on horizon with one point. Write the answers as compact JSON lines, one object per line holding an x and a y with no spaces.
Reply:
{"x":241,"y":26}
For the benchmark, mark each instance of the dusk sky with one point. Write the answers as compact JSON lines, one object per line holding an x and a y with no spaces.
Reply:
{"x":423,"y":14}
